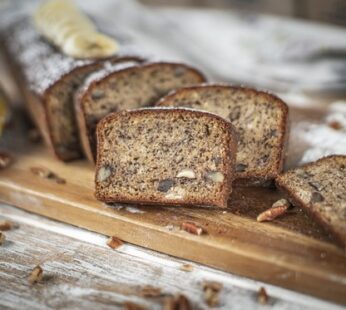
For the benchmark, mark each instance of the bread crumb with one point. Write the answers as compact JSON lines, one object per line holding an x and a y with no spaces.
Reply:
{"x":335,"y":125}
{"x":7,"y":225}
{"x":186,"y":267}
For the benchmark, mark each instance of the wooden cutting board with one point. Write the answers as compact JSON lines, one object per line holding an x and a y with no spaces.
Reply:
{"x":290,"y":252}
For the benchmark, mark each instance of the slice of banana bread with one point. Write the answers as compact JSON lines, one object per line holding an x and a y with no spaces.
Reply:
{"x":48,"y":79}
{"x":165,"y":156}
{"x":320,"y":188}
{"x":259,"y":118}
{"x":129,"y":88}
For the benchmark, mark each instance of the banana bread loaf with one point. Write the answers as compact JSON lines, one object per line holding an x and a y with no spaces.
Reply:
{"x":259,"y":118}
{"x":320,"y":189}
{"x":128,"y":88}
{"x":165,"y":156}
{"x":48,"y":79}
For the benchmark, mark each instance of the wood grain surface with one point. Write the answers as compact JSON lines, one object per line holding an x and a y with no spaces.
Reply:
{"x":82,"y":272}
{"x":291,"y":252}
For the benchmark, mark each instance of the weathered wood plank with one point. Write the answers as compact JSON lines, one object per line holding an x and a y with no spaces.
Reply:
{"x":82,"y":272}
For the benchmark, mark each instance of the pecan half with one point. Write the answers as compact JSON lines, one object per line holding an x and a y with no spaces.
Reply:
{"x":192,"y":228}
{"x":211,"y":293}
{"x":114,"y":242}
{"x":278,"y":209}
{"x":262,"y":296}
{"x":335,"y":125}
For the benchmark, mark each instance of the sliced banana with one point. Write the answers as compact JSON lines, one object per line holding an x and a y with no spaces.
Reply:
{"x":67,"y":28}
{"x":89,"y":45}
{"x":60,"y":22}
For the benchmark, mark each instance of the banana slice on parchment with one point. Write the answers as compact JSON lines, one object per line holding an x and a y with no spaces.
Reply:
{"x":73,"y":32}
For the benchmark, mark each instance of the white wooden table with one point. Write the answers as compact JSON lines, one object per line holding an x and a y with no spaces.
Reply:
{"x":82,"y":272}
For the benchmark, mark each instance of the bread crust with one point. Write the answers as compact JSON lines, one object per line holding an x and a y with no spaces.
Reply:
{"x":296,"y":201}
{"x":85,"y":134}
{"x":230,"y":144}
{"x":249,"y":179}
{"x":36,"y":101}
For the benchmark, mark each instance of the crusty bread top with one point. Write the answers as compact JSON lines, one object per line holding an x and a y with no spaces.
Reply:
{"x":132,"y":87}
{"x":260,"y":118}
{"x":165,"y":156}
{"x":41,"y":62}
{"x":320,"y":188}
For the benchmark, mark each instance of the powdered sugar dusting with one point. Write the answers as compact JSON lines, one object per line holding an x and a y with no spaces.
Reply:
{"x":42,"y":63}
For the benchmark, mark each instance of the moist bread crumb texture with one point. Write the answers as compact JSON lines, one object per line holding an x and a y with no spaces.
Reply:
{"x":165,"y":156}
{"x":130,"y":88}
{"x":260,"y":120}
{"x":320,"y":188}
{"x":59,"y":106}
